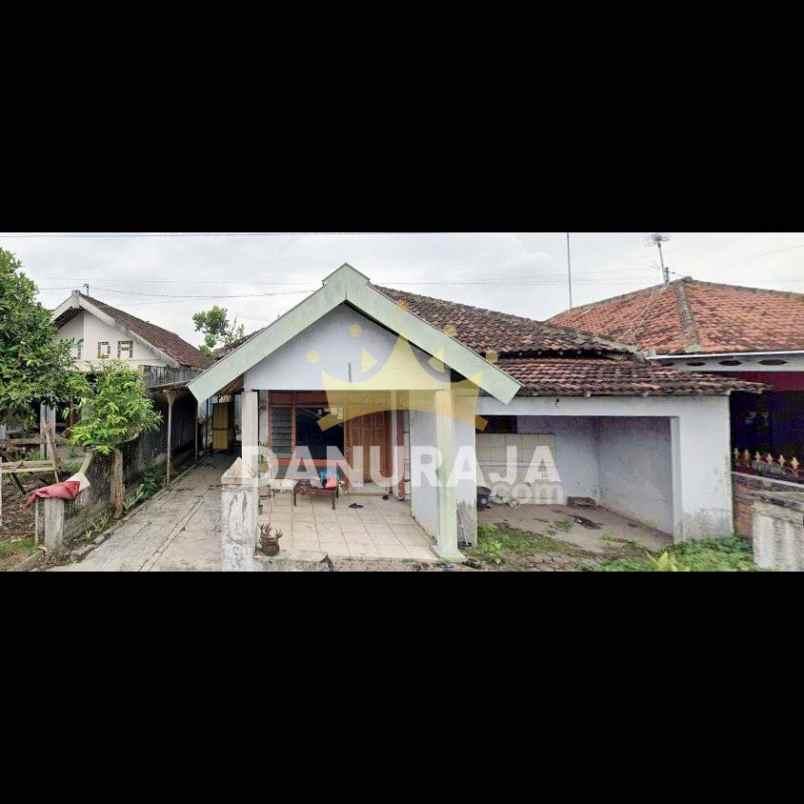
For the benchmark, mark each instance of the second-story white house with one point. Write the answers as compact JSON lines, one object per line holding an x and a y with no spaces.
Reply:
{"x":103,"y":332}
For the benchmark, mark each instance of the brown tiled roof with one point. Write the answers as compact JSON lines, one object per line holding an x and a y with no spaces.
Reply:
{"x":168,"y":342}
{"x":491,"y":331}
{"x":688,"y":316}
{"x":552,"y":360}
{"x":224,"y":350}
{"x":629,"y":376}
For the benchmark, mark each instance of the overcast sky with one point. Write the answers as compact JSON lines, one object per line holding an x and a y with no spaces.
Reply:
{"x":524,"y":274}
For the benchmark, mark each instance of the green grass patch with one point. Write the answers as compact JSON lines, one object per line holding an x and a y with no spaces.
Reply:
{"x":732,"y":554}
{"x":12,"y":552}
{"x":510,"y":548}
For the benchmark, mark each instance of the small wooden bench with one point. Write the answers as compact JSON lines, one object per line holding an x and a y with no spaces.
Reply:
{"x":329,"y":489}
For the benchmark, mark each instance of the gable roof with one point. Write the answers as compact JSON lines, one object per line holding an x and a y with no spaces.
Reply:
{"x":348,"y":286}
{"x":537,"y":358}
{"x":175,"y":350}
{"x":688,"y":316}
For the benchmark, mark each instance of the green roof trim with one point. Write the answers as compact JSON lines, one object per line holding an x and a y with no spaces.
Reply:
{"x":347,"y":285}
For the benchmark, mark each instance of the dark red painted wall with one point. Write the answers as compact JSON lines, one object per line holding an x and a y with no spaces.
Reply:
{"x":780,"y":380}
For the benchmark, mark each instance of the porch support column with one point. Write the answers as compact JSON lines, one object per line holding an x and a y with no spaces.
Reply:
{"x":239,"y":503}
{"x":447,"y":537}
{"x":249,"y":427}
{"x":397,"y":462}
{"x":195,"y":430}
{"x":171,"y":398}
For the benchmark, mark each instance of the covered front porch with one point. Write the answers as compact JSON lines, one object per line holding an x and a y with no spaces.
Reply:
{"x":351,"y":372}
{"x":358,"y":450}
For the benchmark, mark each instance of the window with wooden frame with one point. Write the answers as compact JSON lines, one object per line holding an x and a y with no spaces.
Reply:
{"x":292,"y":422}
{"x":104,"y":350}
{"x":125,"y":349}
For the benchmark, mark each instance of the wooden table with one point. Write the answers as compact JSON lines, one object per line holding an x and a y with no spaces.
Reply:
{"x":306,"y":487}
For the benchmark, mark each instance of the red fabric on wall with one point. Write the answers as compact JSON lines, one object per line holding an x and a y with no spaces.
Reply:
{"x":67,"y":490}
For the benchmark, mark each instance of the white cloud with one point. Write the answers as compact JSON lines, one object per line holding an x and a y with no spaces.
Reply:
{"x":521,"y":273}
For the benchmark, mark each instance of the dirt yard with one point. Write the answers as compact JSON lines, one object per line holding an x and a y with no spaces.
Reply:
{"x":17,"y":522}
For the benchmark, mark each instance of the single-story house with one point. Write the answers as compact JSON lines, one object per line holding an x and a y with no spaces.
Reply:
{"x":740,"y":332}
{"x":102,"y":332}
{"x":357,"y":365}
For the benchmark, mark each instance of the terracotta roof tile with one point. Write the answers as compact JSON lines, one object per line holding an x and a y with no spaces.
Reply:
{"x":688,"y":316}
{"x":623,"y":377}
{"x":491,"y":331}
{"x":540,"y":356}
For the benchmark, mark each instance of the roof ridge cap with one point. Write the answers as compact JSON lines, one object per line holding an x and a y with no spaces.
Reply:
{"x":745,"y":287}
{"x":689,"y":324}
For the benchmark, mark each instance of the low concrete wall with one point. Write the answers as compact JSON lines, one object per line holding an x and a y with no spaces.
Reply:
{"x":779,"y":530}
{"x":96,"y":499}
{"x":746,"y":489}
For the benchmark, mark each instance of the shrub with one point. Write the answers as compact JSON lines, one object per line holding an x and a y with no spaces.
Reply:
{"x":732,"y":554}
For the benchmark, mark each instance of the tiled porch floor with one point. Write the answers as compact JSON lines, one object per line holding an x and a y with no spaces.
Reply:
{"x":380,"y":529}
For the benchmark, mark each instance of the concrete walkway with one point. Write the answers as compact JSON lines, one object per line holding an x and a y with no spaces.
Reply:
{"x":179,"y":529}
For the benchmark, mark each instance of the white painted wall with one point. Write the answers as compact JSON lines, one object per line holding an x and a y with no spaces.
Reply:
{"x":575,"y":451}
{"x":700,"y":449}
{"x":423,"y":496}
{"x":346,"y":344}
{"x":74,"y":328}
{"x":795,"y":362}
{"x":93,"y":330}
{"x":466,"y":490}
{"x":635,"y":468}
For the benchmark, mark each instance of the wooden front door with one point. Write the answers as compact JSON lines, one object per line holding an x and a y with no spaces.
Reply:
{"x":370,"y":430}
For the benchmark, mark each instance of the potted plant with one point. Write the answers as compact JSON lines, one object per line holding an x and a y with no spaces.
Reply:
{"x":269,"y":540}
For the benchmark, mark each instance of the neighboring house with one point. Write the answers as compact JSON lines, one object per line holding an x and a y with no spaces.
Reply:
{"x":102,"y":332}
{"x":358,"y":365}
{"x":745,"y":333}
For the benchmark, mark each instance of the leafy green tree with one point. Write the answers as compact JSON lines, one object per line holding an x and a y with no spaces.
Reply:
{"x":35,"y":364}
{"x":214,"y":324}
{"x":116,"y":410}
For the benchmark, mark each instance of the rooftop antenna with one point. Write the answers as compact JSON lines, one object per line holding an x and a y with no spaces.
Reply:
{"x":657,"y":239}
{"x":569,"y":271}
